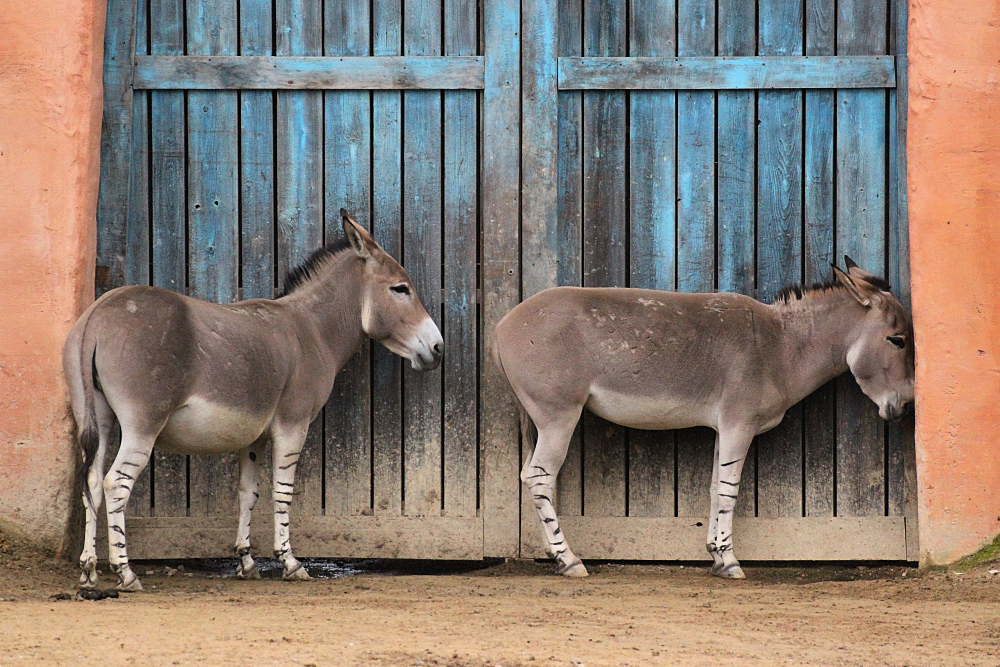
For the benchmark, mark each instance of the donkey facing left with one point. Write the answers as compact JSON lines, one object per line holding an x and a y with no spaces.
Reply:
{"x":193,"y":377}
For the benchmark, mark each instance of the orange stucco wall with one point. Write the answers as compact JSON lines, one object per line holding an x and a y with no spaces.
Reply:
{"x":953,"y":154}
{"x":50,"y":122}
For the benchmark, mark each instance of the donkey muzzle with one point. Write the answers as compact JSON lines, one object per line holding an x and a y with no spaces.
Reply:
{"x":428,"y":350}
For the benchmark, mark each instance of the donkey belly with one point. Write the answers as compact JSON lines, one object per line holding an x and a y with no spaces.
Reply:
{"x":203,"y":427}
{"x":648,"y":412}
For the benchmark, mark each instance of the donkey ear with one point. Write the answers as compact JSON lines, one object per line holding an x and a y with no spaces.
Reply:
{"x":852,"y":287}
{"x":360,"y":240}
{"x":858,"y":273}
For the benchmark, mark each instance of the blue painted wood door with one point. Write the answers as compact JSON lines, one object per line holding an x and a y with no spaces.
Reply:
{"x":741,"y":146}
{"x":252,"y":123}
{"x":693,"y":145}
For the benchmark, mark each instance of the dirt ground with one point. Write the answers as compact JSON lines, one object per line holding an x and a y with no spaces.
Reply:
{"x":514,"y":614}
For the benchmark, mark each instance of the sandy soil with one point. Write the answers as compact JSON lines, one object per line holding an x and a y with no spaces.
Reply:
{"x":514,"y":614}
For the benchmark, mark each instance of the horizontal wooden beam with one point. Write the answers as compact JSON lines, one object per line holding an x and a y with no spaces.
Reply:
{"x":446,"y":538}
{"x":321,"y":73}
{"x":755,"y":539}
{"x":727,"y":73}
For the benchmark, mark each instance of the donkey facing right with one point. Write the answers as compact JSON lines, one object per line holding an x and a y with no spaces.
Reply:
{"x":664,"y":360}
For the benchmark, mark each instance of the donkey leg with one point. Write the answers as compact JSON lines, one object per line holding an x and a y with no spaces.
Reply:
{"x":713,"y":514}
{"x":286,"y":449}
{"x":105,"y":428}
{"x":539,"y":477}
{"x":249,"y":485}
{"x":733,"y":446}
{"x":132,"y":458}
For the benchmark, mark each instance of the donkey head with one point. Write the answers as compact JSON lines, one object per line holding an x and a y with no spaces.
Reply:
{"x":881,"y":354}
{"x":391,"y":312}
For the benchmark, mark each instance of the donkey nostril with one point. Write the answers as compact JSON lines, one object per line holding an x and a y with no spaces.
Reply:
{"x":438,"y":349}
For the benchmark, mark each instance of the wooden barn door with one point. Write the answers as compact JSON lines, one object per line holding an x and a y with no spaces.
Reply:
{"x":731,"y":145}
{"x":251,"y":124}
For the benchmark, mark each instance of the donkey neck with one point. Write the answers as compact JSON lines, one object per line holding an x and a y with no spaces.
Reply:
{"x":819,"y":329}
{"x":332,"y":300}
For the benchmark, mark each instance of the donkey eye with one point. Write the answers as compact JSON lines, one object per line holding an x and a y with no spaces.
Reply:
{"x":400,"y":289}
{"x":898,"y":341}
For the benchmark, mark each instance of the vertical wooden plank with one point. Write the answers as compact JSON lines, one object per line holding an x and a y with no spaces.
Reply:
{"x":902,"y":490}
{"x":460,"y":319}
{"x":299,"y":199}
{"x":737,"y":186}
{"x":213,"y":225}
{"x":387,"y":425}
{"x":604,"y":238}
{"x":169,"y":219}
{"x":569,"y":488}
{"x":137,"y":228}
{"x":348,"y":176}
{"x":422,"y":212}
{"x":501,"y":269}
{"x":652,"y":134}
{"x":819,"y":447}
{"x":695,"y":231}
{"x":861,"y":218}
{"x":257,"y":159}
{"x":779,"y":242}
{"x":116,"y":144}
{"x":540,"y":147}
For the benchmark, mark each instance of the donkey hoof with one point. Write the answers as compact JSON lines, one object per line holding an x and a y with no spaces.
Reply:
{"x":731,"y":571}
{"x":133,"y":586}
{"x":89,"y":574}
{"x":296,"y":573}
{"x":88,"y":580}
{"x":575,"y":570}
{"x":252,"y":573}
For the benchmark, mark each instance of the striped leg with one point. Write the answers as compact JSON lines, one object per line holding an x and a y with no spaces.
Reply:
{"x":539,"y":476}
{"x":286,"y":449}
{"x":733,"y":446}
{"x":713,"y":514}
{"x":105,"y":427}
{"x":132,"y":458}
{"x":249,"y":493}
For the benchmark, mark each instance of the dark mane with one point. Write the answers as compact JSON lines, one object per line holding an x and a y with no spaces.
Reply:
{"x":306,"y":271}
{"x":796,"y":292}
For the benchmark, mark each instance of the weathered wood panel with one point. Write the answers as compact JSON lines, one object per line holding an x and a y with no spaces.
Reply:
{"x":779,"y":242}
{"x":708,"y":72}
{"x":696,"y":207}
{"x":283,"y":73}
{"x":736,"y":186}
{"x":861,"y":217}
{"x":569,"y":488}
{"x":386,"y":196}
{"x":422,"y":216}
{"x":348,"y":174}
{"x":116,"y":143}
{"x":652,"y":169}
{"x":791,"y":538}
{"x":168,"y":194}
{"x":137,"y":239}
{"x":448,"y":538}
{"x":819,"y":437}
{"x":459,"y":316}
{"x":605,"y":219}
{"x":213,"y":220}
{"x":501,"y":275}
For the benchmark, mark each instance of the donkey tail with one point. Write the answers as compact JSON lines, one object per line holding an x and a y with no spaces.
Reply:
{"x":80,"y":368}
{"x":528,"y":429}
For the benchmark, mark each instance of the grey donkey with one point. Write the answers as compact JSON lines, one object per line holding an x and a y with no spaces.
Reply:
{"x":664,"y":360}
{"x":193,"y":377}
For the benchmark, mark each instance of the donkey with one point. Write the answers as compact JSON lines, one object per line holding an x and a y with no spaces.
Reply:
{"x":193,"y":377}
{"x":662,"y":360}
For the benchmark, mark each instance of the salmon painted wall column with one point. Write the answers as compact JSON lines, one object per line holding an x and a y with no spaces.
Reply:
{"x":51,"y":53}
{"x":953,"y":158}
